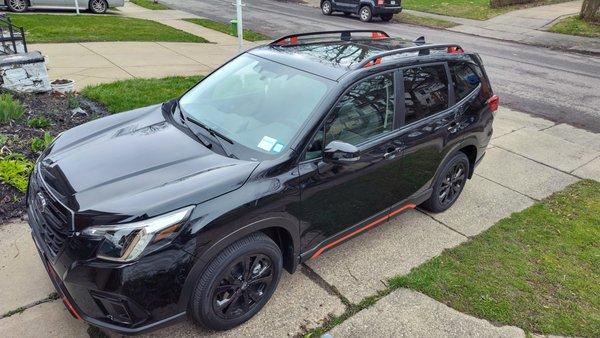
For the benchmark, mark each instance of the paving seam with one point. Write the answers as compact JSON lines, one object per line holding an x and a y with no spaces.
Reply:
{"x":583,"y":165}
{"x":538,"y":162}
{"x":442,"y":223}
{"x":104,"y":57}
{"x":185,"y":56}
{"x":51,"y":297}
{"x":509,"y":188}
{"x":322,"y":283}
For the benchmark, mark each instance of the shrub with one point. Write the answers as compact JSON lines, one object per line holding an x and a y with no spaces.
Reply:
{"x":72,"y":101}
{"x":10,"y":109}
{"x":14,"y":171}
{"x":39,"y":144}
{"x":38,"y":122}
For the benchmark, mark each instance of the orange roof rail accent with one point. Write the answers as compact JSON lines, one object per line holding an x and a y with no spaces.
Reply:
{"x":366,"y":227}
{"x":379,"y":36}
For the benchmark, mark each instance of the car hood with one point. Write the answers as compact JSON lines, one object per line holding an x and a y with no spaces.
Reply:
{"x":135,"y":165}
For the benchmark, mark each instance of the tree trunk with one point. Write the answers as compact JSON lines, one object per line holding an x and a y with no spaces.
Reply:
{"x":590,"y":11}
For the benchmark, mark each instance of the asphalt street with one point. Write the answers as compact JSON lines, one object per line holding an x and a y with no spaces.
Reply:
{"x":561,"y":86}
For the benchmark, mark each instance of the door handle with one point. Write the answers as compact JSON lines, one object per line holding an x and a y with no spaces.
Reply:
{"x":453,"y":127}
{"x":392,"y":152}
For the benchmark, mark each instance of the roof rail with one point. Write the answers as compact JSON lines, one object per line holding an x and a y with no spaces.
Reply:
{"x":376,"y":59}
{"x":345,"y":35}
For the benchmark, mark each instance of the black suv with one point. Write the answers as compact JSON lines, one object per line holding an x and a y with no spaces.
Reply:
{"x":194,"y":207}
{"x":365,"y":9}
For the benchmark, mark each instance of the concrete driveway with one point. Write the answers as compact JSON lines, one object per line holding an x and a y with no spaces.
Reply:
{"x":528,"y":159}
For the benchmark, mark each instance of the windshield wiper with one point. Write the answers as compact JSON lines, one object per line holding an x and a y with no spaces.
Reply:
{"x":202,"y":140}
{"x":209,"y":129}
{"x":215,"y":134}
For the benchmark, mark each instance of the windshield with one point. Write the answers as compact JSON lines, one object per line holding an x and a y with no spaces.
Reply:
{"x":257,"y":103}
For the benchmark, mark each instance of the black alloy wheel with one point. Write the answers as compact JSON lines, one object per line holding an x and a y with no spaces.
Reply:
{"x":449,"y":184}
{"x":242,"y":285}
{"x":237,"y":283}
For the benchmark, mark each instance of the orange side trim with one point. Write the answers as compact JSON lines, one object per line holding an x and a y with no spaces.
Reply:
{"x":366,"y":227}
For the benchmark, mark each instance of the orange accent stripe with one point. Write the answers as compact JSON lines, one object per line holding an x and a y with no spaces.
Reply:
{"x":366,"y":227}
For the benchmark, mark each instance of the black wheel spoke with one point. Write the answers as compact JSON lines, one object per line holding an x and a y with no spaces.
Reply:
{"x":242,"y":285}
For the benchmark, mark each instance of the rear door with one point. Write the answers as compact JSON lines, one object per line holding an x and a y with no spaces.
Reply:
{"x":428,"y":121}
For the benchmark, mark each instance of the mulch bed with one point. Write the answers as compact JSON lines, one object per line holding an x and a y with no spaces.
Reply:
{"x":57,"y":109}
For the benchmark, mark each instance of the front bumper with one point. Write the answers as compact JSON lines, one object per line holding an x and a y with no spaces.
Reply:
{"x":128,"y":298}
{"x":105,"y":323}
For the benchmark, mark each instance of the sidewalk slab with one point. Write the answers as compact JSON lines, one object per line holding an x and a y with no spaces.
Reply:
{"x":407,"y":313}
{"x":482,"y":204}
{"x":360,"y":267}
{"x":23,"y":278}
{"x":45,"y":320}
{"x":547,"y":149}
{"x":523,"y":175}
{"x":575,"y":135}
{"x":297,"y":304}
{"x":590,"y":170}
{"x":507,"y":120}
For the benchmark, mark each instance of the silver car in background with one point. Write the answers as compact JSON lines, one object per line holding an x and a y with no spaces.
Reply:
{"x":94,"y":6}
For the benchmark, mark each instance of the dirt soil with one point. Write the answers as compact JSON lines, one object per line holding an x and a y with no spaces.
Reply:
{"x":59,"y":111}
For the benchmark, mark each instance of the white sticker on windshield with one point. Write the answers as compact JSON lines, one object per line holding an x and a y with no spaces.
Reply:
{"x":267,"y":143}
{"x":277,"y":148}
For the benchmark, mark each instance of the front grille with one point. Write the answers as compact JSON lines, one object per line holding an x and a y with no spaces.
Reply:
{"x":53,"y":220}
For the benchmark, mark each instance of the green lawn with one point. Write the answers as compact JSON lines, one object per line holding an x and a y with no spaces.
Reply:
{"x":150,"y":4}
{"x":423,"y":21}
{"x":471,"y":9}
{"x":249,"y":35}
{"x":130,"y":94}
{"x":575,"y":26}
{"x":45,"y":28}
{"x":538,"y":269}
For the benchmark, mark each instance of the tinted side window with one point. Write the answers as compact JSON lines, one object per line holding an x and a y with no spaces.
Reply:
{"x":365,"y":111}
{"x":464,"y":77}
{"x":425,"y":91}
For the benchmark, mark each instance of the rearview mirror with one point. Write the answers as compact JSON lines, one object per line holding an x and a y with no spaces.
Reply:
{"x":339,"y":152}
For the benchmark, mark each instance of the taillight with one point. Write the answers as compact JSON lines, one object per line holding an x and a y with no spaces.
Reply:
{"x":455,"y":50}
{"x":380,"y":2}
{"x":493,"y":103}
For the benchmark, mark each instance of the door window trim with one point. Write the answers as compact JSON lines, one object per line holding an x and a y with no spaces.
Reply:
{"x":396,"y":81}
{"x":451,"y":98}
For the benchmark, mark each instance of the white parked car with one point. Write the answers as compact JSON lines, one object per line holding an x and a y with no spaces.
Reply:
{"x":94,"y":6}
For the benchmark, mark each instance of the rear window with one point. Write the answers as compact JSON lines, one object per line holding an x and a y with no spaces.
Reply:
{"x":465,"y":78}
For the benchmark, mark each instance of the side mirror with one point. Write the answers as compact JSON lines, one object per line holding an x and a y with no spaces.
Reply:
{"x":338,"y":152}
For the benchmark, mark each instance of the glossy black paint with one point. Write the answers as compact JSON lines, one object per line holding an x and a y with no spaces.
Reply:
{"x":140,"y":164}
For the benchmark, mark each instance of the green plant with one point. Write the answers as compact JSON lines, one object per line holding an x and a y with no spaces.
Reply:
{"x":14,"y":171}
{"x":3,"y":139}
{"x":38,"y":122}
{"x":72,"y":100}
{"x":10,"y":109}
{"x":39,"y":144}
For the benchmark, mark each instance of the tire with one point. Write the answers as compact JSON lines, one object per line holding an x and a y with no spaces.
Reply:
{"x":226,"y":308}
{"x":365,"y":14}
{"x":326,"y":7}
{"x":18,"y":6}
{"x":98,"y":6}
{"x":449,"y":183}
{"x":386,"y":17}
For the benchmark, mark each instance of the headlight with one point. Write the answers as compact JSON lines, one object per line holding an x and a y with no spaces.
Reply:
{"x":125,"y":242}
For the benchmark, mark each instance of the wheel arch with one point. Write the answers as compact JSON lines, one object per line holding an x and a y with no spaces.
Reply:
{"x":281,"y":230}
{"x":468,"y":147}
